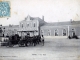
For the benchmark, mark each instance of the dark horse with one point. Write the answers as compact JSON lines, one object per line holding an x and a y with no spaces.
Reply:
{"x":36,"y":40}
{"x":27,"y":40}
{"x":13,"y":40}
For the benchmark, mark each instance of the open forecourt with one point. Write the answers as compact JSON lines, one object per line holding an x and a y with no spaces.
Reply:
{"x":53,"y":49}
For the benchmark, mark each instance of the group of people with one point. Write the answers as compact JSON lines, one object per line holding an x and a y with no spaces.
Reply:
{"x":34,"y":40}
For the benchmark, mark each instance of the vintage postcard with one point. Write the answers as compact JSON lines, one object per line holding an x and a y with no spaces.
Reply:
{"x":39,"y":29}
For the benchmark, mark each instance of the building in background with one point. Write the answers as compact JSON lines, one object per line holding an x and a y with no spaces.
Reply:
{"x":31,"y":26}
{"x":37,"y":26}
{"x":9,"y":30}
{"x":61,"y":29}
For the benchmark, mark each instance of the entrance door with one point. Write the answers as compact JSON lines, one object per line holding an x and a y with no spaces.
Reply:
{"x":73,"y":32}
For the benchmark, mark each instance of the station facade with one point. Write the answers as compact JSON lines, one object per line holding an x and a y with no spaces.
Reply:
{"x":37,"y":26}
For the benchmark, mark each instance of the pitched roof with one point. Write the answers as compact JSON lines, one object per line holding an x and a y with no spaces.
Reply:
{"x":32,"y":18}
{"x":62,"y":23}
{"x":11,"y":26}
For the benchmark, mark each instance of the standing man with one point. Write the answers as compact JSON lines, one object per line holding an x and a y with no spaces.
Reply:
{"x":42,"y":39}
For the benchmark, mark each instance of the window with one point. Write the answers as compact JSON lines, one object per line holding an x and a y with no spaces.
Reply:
{"x":56,"y":32}
{"x":73,"y":32}
{"x":41,"y":32}
{"x":0,"y":25}
{"x":4,"y":28}
{"x":3,"y":35}
{"x":34,"y":25}
{"x":27,"y":25}
{"x":7,"y":34}
{"x":22,"y":25}
{"x":72,"y":29}
{"x":0,"y":30}
{"x":48,"y":32}
{"x":64,"y":32}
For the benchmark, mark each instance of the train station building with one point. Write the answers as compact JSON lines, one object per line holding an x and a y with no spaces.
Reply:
{"x":38,"y":26}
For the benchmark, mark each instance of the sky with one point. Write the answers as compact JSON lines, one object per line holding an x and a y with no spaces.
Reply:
{"x":52,"y":10}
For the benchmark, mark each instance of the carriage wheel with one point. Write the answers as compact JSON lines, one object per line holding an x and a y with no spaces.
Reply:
{"x":26,"y":44}
{"x":34,"y":44}
{"x":10,"y":44}
{"x":20,"y":44}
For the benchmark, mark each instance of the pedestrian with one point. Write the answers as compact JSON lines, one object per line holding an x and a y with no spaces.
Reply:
{"x":42,"y":39}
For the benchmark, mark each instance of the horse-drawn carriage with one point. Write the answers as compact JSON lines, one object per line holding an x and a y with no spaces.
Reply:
{"x":25,"y":41}
{"x":13,"y":40}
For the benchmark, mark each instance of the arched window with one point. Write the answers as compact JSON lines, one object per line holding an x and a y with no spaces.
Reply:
{"x":0,"y":30}
{"x":56,"y":32}
{"x":64,"y":32}
{"x":49,"y":32}
{"x":34,"y":25}
{"x":22,"y":25}
{"x":42,"y":32}
{"x":73,"y":29}
{"x":4,"y":28}
{"x":73,"y":32}
{"x":27,"y":24}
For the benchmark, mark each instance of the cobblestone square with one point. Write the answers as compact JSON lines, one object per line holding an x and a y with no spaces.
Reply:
{"x":53,"y":49}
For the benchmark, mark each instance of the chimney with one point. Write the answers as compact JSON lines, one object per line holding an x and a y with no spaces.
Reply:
{"x":42,"y":17}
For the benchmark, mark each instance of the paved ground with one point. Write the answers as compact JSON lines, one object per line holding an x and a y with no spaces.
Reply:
{"x":54,"y":49}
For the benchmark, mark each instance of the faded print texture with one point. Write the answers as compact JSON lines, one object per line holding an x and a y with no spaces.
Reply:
{"x":55,"y":19}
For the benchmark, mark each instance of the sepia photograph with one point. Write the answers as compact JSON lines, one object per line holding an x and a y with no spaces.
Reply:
{"x":39,"y":29}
